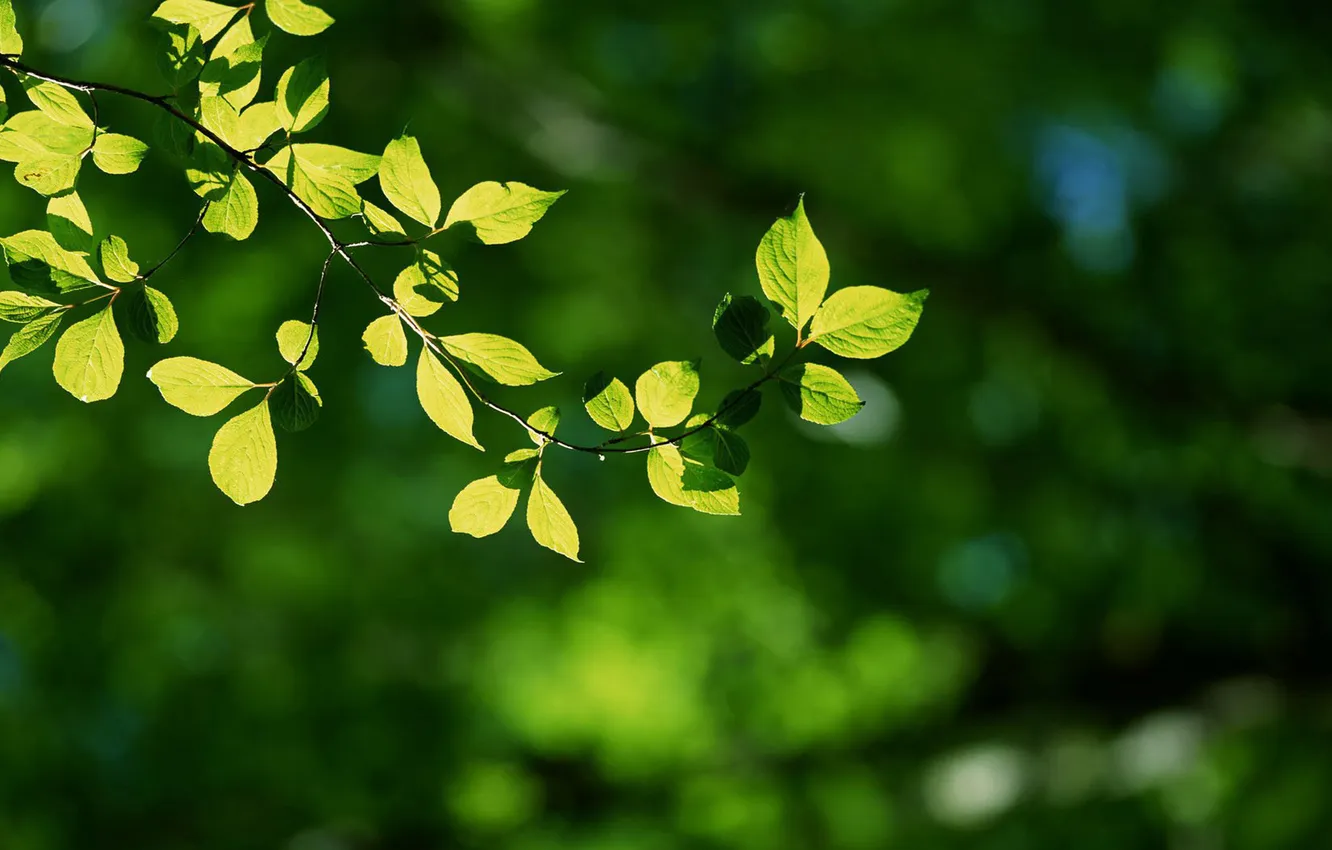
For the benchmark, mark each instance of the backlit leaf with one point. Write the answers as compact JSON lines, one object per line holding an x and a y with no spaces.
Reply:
{"x":483,"y":507}
{"x":498,"y":213}
{"x":30,"y":337}
{"x":819,"y":394}
{"x":295,"y":403}
{"x":793,"y":267}
{"x":298,"y":341}
{"x":20,"y":308}
{"x":741,"y":326}
{"x":666,"y":392}
{"x":67,"y":219}
{"x":549,"y":521}
{"x":297,"y":17}
{"x":152,"y":318}
{"x":11,"y":43}
{"x":545,"y":420}
{"x":235,"y":213}
{"x":302,"y":95}
{"x":183,"y":58}
{"x":196,"y":386}
{"x":503,"y":360}
{"x":608,"y":402}
{"x":444,"y":399}
{"x":406,"y":181}
{"x":116,"y":262}
{"x":90,"y":358}
{"x":426,"y":285}
{"x":866,"y":321}
{"x":58,"y":102}
{"x":207,"y":17}
{"x":386,"y":341}
{"x":40,"y":266}
{"x":49,"y":175}
{"x":243,"y":459}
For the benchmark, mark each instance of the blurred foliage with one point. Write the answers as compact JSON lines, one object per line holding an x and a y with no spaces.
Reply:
{"x":1065,"y":580}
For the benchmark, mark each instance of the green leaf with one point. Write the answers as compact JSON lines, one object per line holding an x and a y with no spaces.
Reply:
{"x":545,"y":420}
{"x":116,"y":262}
{"x":865,"y":322}
{"x":37,"y":261}
{"x":90,"y":358}
{"x":738,"y":407}
{"x":295,"y":403}
{"x":665,"y":469}
{"x":741,"y":326}
{"x":549,"y":521}
{"x":297,"y":17}
{"x":196,"y":386}
{"x":152,"y":318}
{"x":380,"y":222}
{"x":298,"y":341}
{"x":243,"y":459}
{"x":21,"y":309}
{"x":57,"y":102}
{"x":302,"y":95}
{"x":500,"y":358}
{"x":406,"y":181}
{"x":499,"y":213}
{"x":11,"y":43}
{"x":608,"y":402}
{"x":233,"y":69}
{"x":236,"y":213}
{"x":483,"y":507}
{"x":386,"y":341}
{"x":793,"y":268}
{"x":730,"y":451}
{"x":183,"y":58}
{"x":30,"y":337}
{"x":207,"y":17}
{"x":257,"y":123}
{"x":208,"y":170}
{"x":444,"y":400}
{"x":666,"y":392}
{"x":819,"y":394}
{"x":324,"y":176}
{"x":519,"y":468}
{"x":67,"y":219}
{"x":4,"y":103}
{"x":49,"y":175}
{"x":710,"y":491}
{"x":32,"y":134}
{"x":423,"y":287}
{"x":118,"y":154}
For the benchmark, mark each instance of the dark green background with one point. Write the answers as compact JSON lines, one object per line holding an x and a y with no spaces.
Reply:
{"x":1065,"y":583}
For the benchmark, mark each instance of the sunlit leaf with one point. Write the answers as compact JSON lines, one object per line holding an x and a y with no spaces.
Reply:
{"x":866,"y":321}
{"x":67,"y":219}
{"x":58,"y":102}
{"x":40,"y":266}
{"x":406,"y":181}
{"x":30,"y":337}
{"x":298,"y":341}
{"x":549,"y":521}
{"x":207,"y":17}
{"x":483,"y":507}
{"x":118,"y":154}
{"x":426,"y":285}
{"x":297,"y":17}
{"x":49,"y":175}
{"x":11,"y":43}
{"x":386,"y":341}
{"x":498,"y":213}
{"x":152,"y":317}
{"x":33,"y":134}
{"x":666,"y":392}
{"x":116,"y":263}
{"x":302,"y":95}
{"x":196,"y":386}
{"x":380,"y":222}
{"x":819,"y":394}
{"x":793,"y":267}
{"x":243,"y":459}
{"x":503,"y":360}
{"x":90,"y":358}
{"x":183,"y":58}
{"x":20,"y":308}
{"x":444,"y":399}
{"x":235,"y":213}
{"x":545,"y":420}
{"x":608,"y":402}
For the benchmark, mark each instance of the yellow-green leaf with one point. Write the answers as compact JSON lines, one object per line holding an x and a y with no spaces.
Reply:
{"x":297,"y":17}
{"x":298,"y":341}
{"x":406,"y":181}
{"x":666,"y":392}
{"x":866,"y":321}
{"x":545,"y":420}
{"x":386,"y":341}
{"x":424,"y":286}
{"x":67,"y":219}
{"x":116,"y":262}
{"x":115,"y":153}
{"x":90,"y":358}
{"x":483,"y":507}
{"x":11,"y":43}
{"x":58,"y":102}
{"x":608,"y":402}
{"x":196,"y":386}
{"x":503,"y":360}
{"x":793,"y":267}
{"x":243,"y":459}
{"x":30,"y":337}
{"x":549,"y":521}
{"x":49,"y":175}
{"x":295,"y":403}
{"x":444,"y":399}
{"x":152,"y":318}
{"x":302,"y":95}
{"x":819,"y":394}
{"x":236,"y":213}
{"x":20,"y":308}
{"x":499,"y":213}
{"x":207,"y":17}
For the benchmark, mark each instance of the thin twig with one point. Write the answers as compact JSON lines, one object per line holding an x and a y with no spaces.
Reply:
{"x":194,"y":228}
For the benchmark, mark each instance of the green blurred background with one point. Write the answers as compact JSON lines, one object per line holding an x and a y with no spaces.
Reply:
{"x":1064,"y":582}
